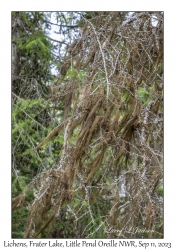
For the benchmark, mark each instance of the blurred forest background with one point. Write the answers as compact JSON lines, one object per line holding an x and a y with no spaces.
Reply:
{"x":87,"y":124}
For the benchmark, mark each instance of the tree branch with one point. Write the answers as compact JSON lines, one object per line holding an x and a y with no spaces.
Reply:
{"x":63,"y":25}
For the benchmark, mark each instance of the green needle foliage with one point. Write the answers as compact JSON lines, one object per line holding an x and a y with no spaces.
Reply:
{"x":88,"y":143}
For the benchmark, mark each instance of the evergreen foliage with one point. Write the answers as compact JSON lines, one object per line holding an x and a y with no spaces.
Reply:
{"x":87,"y":144}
